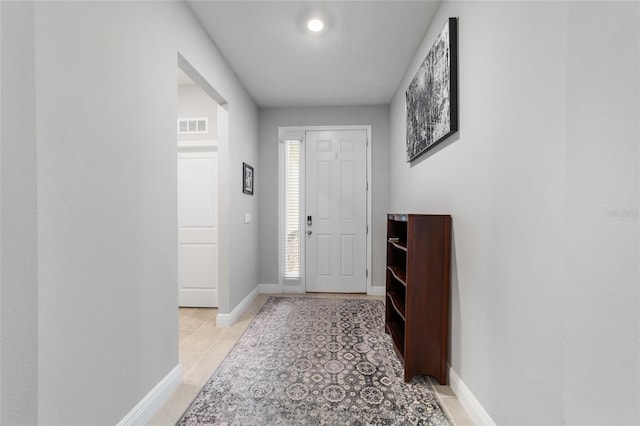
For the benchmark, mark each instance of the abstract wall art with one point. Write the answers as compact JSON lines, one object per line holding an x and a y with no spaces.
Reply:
{"x":432,"y":96}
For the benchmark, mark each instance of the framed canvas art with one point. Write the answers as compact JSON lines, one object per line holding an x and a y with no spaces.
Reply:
{"x":432,"y":96}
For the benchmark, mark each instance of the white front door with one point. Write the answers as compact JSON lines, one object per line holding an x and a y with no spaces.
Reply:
{"x":198,"y":229}
{"x":336,"y":208}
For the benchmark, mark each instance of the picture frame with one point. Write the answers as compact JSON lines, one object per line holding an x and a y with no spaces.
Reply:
{"x":248,"y":178}
{"x":432,"y":95}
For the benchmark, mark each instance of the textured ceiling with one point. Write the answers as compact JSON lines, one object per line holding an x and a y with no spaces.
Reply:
{"x":359,"y":59}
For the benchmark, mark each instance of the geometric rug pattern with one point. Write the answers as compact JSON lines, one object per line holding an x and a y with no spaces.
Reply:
{"x":314,"y":361}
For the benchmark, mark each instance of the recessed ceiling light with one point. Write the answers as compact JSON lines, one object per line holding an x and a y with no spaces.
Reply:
{"x":315,"y":25}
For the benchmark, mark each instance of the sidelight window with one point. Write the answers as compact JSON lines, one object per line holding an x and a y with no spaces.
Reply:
{"x":292,"y":209}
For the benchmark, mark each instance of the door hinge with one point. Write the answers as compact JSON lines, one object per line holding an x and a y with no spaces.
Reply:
{"x":367,"y":273}
{"x":367,"y":141}
{"x":367,"y":229}
{"x":367,"y":186}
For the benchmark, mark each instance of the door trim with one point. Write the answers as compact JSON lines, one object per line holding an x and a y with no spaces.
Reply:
{"x":299,"y":133}
{"x":198,"y":145}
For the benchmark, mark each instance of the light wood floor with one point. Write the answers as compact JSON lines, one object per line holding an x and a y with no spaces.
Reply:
{"x":203,"y":346}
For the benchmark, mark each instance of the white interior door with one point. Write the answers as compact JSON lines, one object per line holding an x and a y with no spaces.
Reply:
{"x":336,"y":201}
{"x":198,"y":229}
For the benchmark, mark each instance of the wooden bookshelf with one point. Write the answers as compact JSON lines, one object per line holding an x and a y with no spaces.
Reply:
{"x":417,"y":292}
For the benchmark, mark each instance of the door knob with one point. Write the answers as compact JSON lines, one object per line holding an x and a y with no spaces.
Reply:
{"x":309,"y":232}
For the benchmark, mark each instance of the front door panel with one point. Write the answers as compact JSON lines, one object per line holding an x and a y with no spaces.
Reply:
{"x":336,"y":200}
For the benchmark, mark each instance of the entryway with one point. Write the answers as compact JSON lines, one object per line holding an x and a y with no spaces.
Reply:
{"x":201,"y":127}
{"x":325,"y":205}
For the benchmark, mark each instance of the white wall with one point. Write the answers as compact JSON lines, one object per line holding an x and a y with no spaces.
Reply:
{"x":193,"y":102}
{"x":270,"y":119}
{"x":18,"y":243}
{"x":105,"y":329}
{"x":243,"y":238}
{"x":534,"y":316}
{"x":601,"y":296}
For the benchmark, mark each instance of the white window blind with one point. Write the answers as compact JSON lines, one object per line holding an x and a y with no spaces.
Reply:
{"x":292,"y":209}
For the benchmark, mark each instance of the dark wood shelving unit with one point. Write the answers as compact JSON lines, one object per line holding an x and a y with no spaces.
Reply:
{"x":417,"y":292}
{"x":399,"y":274}
{"x":396,"y":330}
{"x":399,"y":244}
{"x":398,"y":303}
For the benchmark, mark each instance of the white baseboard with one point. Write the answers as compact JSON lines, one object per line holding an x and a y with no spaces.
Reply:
{"x":227,"y":320}
{"x":473,"y":407}
{"x":151,"y":403}
{"x":270,"y":289}
{"x":376,"y":290}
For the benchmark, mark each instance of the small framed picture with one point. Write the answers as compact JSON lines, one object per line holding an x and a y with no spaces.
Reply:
{"x":247,"y":179}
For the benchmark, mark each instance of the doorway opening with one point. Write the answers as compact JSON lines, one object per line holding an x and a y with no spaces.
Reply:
{"x":324,"y":207}
{"x":201,"y":128}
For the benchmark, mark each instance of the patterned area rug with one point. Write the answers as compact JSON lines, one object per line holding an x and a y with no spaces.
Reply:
{"x":310,"y":361}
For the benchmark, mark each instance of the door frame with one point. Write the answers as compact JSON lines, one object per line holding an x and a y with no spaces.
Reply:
{"x":222,"y":139}
{"x":288,"y":285}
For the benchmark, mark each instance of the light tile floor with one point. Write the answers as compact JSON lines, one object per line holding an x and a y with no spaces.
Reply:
{"x":203,"y":346}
